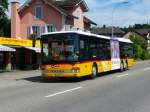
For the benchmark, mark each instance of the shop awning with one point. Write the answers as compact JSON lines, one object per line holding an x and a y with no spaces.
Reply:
{"x":5,"y":48}
{"x":37,"y":50}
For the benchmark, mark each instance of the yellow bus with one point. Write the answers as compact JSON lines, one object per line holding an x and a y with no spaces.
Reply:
{"x":78,"y":54}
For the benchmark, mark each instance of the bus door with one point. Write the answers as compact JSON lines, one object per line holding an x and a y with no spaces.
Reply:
{"x":115,"y":54}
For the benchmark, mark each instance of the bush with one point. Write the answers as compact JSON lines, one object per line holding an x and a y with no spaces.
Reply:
{"x":140,"y":47}
{"x":137,"y":51}
{"x":145,"y":55}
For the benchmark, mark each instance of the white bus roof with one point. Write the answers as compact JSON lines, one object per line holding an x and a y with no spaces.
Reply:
{"x":77,"y":32}
{"x":89,"y":34}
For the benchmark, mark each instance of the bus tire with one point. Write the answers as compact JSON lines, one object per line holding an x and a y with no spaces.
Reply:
{"x":121,"y":67}
{"x":94,"y":72}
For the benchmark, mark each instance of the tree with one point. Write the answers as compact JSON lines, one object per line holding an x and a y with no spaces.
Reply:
{"x":140,"y":47}
{"x":4,"y":21}
{"x":145,"y":55}
{"x":139,"y":40}
{"x":141,"y":26}
{"x":4,"y":4}
{"x":137,"y":51}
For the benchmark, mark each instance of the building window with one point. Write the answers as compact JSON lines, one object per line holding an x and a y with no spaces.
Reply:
{"x":33,"y":30}
{"x":36,"y":29}
{"x":49,"y":28}
{"x":68,"y":27}
{"x":38,"y":12}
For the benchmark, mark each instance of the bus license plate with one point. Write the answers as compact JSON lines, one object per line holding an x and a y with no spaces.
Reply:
{"x":57,"y":75}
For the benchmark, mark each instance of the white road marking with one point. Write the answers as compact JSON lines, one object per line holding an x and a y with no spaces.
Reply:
{"x":145,"y":69}
{"x":62,"y":92}
{"x":122,"y":75}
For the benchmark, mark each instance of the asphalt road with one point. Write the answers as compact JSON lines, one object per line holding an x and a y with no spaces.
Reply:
{"x":114,"y":92}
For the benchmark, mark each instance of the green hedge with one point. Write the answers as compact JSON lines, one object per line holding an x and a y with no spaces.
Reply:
{"x":140,"y":47}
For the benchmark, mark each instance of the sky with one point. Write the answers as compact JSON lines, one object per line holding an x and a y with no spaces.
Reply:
{"x":121,"y":12}
{"x":118,"y":12}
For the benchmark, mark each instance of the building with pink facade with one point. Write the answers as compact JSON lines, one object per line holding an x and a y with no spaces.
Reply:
{"x":43,"y":16}
{"x":35,"y":17}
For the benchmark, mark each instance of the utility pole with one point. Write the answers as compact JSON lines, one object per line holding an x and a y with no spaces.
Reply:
{"x":114,"y":9}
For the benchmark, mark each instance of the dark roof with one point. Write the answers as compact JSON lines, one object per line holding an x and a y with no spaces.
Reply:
{"x":69,"y":3}
{"x":143,"y":32}
{"x":60,"y":6}
{"x":87,"y":20}
{"x":49,"y":2}
{"x":130,"y":33}
{"x":107,"y":30}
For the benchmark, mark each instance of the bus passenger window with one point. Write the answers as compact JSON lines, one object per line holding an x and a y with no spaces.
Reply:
{"x":83,"y":51}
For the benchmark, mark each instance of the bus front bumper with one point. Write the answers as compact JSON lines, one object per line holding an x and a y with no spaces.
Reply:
{"x":46,"y":74}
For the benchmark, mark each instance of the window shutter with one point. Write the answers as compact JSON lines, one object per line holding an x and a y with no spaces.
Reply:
{"x":43,"y":29}
{"x":31,"y":30}
{"x":54,"y":28}
{"x":28,"y":31}
{"x":38,"y":30}
{"x":46,"y":29}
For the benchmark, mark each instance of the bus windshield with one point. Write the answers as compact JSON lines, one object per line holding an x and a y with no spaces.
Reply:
{"x":59,"y":48}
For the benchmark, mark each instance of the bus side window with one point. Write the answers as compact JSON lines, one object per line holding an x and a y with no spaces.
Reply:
{"x":126,"y":50}
{"x":100,"y":49}
{"x":107,"y":49}
{"x":83,"y":55}
{"x":93,"y":48}
{"x":103,"y":47}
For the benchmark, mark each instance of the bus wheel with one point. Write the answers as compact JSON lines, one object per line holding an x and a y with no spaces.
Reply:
{"x":94,"y":72}
{"x":121,"y":67}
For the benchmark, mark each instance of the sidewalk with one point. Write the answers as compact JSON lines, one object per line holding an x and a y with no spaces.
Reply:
{"x":14,"y":78}
{"x":19,"y":74}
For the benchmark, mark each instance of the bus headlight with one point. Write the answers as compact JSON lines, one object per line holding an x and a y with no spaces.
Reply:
{"x":75,"y":70}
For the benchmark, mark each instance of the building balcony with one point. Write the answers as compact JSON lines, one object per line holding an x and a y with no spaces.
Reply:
{"x":72,"y":28}
{"x":51,"y":28}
